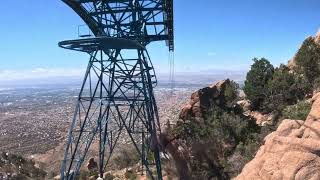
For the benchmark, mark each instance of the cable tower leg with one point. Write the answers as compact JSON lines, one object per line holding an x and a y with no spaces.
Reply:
{"x":116,"y":99}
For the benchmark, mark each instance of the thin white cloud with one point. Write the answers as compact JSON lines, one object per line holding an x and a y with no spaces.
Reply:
{"x":212,"y":53}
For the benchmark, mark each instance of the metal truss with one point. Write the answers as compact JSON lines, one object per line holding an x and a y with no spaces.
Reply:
{"x":142,"y":20}
{"x":115,"y":100}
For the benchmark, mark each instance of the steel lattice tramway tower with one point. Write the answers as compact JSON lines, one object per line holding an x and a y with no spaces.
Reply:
{"x":116,"y":96}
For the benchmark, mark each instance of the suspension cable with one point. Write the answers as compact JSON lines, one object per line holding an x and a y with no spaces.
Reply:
{"x":172,"y":72}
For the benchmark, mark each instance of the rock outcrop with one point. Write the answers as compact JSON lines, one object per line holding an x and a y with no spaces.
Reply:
{"x":260,"y":118}
{"x":246,"y":106}
{"x":202,"y":100}
{"x":291,"y":152}
{"x":210,"y":128}
{"x":292,"y":62}
{"x":317,"y":38}
{"x":199,"y":105}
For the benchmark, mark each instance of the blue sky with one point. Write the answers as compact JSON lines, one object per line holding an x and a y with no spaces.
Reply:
{"x":210,"y":34}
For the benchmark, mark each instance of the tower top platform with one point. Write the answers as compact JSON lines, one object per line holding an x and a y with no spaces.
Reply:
{"x":100,"y":43}
{"x":145,"y":21}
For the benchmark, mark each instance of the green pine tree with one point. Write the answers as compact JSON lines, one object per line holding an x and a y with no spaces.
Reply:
{"x":256,"y":82}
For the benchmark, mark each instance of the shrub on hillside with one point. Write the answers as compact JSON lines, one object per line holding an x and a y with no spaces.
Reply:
{"x":308,"y":60}
{"x":109,"y":176}
{"x":20,"y":168}
{"x":302,"y":87}
{"x":316,"y":85}
{"x":83,"y":175}
{"x":285,"y":88}
{"x":231,"y":93}
{"x":279,"y":89}
{"x":126,"y":158}
{"x":214,"y":140}
{"x":256,"y":81}
{"x":130,"y":174}
{"x":298,"y":111}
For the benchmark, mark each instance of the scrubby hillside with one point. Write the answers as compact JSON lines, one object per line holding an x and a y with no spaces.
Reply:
{"x":292,"y":151}
{"x":212,"y":139}
{"x":15,"y":167}
{"x":218,"y":132}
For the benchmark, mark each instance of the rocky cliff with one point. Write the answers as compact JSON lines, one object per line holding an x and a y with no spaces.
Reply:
{"x":201,"y":100}
{"x":208,"y":137}
{"x":291,"y":152}
{"x":292,"y":62}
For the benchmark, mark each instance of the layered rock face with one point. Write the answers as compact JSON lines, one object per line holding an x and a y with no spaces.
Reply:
{"x":202,"y":99}
{"x":291,"y":152}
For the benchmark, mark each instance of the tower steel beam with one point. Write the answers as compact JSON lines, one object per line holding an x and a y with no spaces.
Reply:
{"x":139,"y":20}
{"x":116,"y":99}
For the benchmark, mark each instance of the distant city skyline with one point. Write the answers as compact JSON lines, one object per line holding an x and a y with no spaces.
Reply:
{"x":210,"y":35}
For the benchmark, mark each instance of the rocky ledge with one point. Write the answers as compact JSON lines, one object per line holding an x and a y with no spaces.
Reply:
{"x":201,"y":100}
{"x":291,"y":152}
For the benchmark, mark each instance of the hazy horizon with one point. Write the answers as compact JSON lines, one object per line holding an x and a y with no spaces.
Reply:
{"x":44,"y":77}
